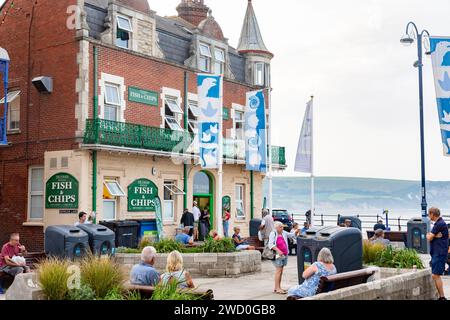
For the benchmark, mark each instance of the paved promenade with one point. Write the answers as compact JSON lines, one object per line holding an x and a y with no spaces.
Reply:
{"x":260,"y":286}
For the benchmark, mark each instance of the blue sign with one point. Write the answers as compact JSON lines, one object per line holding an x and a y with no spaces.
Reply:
{"x":440,"y":56}
{"x":255,"y":132}
{"x":210,"y":98}
{"x":4,"y":65}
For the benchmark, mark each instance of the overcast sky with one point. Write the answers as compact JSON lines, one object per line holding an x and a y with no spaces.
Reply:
{"x":347,"y":53}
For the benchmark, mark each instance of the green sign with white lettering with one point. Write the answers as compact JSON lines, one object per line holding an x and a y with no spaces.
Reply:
{"x":143,"y":96}
{"x":141,"y":196}
{"x":61,"y":192}
{"x":226,"y":114}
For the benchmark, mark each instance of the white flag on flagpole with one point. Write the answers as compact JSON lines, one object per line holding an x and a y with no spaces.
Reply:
{"x":303,"y":162}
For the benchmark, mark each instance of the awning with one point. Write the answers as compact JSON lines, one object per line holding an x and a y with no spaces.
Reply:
{"x":11,"y":96}
{"x":114,"y":188}
{"x":173,"y":189}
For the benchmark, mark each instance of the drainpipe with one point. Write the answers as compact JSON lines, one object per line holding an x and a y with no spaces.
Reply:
{"x":94,"y":153}
{"x":252,"y":196}
{"x":186,"y":129}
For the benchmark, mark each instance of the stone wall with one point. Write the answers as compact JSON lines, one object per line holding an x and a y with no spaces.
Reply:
{"x":204,"y":264}
{"x":412,"y":285}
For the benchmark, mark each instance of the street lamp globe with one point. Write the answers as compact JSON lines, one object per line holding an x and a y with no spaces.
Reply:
{"x":4,"y":55}
{"x":407,"y":40}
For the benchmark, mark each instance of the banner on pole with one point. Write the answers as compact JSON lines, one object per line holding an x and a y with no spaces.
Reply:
{"x":210,"y":98}
{"x":440,"y":57}
{"x":255,"y":132}
{"x":303,"y":161}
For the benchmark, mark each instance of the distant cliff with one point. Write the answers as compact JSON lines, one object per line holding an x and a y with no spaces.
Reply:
{"x":356,"y":194}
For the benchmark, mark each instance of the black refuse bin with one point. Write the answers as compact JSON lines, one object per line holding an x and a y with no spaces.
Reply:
{"x":356,"y":222}
{"x":101,"y":239}
{"x":66,"y":242}
{"x":254,"y":227}
{"x":417,"y":235}
{"x":126,"y":232}
{"x":345,"y":245}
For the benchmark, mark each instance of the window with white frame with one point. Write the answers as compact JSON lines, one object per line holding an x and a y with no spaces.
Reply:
{"x":109,"y":209}
{"x":112,"y":102}
{"x":259,"y":73}
{"x":36,"y":194}
{"x":124,"y":32}
{"x":239,"y":201}
{"x":173,"y":113}
{"x":239,"y":120}
{"x":194,"y":113}
{"x":13,"y":110}
{"x":112,"y":192}
{"x":205,"y":58}
{"x":219,"y":64}
{"x":169,"y":202}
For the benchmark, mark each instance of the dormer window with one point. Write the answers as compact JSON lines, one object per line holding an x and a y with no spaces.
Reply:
{"x":205,"y":58}
{"x":219,"y":65}
{"x":124,"y":32}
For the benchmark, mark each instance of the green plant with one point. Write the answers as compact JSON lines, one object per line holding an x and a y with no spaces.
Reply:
{"x":114,"y":294}
{"x":371,"y":252}
{"x":83,"y":293}
{"x":218,"y":246}
{"x":145,"y":242}
{"x":170,"y":291}
{"x":53,"y":278}
{"x":133,"y":295}
{"x":102,"y":275}
{"x":167,"y":246}
{"x":127,"y":250}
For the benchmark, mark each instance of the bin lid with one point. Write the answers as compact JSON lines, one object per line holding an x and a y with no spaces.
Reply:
{"x":67,"y":231}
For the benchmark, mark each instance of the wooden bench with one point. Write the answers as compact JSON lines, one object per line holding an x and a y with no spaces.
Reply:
{"x":255,"y":242}
{"x":393,"y":236}
{"x":32,"y":259}
{"x":341,"y":280}
{"x":146,"y":292}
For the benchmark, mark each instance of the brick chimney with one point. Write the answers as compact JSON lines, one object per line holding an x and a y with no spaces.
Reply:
{"x":193,"y":11}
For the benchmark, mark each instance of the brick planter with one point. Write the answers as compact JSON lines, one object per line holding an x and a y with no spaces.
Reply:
{"x":205,"y":265}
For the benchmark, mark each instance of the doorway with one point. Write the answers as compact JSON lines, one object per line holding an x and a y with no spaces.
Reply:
{"x":204,"y":193}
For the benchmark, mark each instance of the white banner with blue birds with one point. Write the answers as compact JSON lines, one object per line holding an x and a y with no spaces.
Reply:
{"x":440,"y":56}
{"x":210,"y":97}
{"x":255,"y":132}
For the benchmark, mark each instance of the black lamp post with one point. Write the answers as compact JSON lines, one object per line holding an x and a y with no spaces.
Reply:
{"x":412,"y":32}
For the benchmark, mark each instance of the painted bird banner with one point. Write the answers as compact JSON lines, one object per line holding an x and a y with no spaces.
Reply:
{"x":210,"y":101}
{"x":255,"y":132}
{"x":440,"y":57}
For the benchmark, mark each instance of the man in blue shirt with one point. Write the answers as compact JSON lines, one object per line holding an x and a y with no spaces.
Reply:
{"x":184,"y":237}
{"x":438,"y":238}
{"x":143,"y":274}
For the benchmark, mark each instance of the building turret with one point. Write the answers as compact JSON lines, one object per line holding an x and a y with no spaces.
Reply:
{"x":193,"y":11}
{"x":252,"y":46}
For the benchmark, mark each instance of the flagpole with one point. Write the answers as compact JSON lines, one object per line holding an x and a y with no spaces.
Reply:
{"x":313,"y":209}
{"x":219,"y":206}
{"x":269,"y":135}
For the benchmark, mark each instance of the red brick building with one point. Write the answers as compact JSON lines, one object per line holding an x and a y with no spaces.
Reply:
{"x":99,"y":95}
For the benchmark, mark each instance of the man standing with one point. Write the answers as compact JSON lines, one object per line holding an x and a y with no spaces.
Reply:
{"x":8,"y":262}
{"x":267,"y":226}
{"x":83,"y":218}
{"x":438,"y":238}
{"x":196,"y":212}
{"x":187,"y":220}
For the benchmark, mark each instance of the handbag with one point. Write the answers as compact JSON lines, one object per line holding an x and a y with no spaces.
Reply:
{"x":268,"y":253}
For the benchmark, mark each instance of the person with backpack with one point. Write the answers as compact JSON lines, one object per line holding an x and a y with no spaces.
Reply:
{"x":175,"y":272}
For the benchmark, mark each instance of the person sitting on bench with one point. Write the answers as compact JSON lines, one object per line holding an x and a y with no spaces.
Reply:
{"x":240,"y":243}
{"x":144,"y":274}
{"x":184,"y":237}
{"x":322,"y":268}
{"x":12,"y":261}
{"x":379,"y":238}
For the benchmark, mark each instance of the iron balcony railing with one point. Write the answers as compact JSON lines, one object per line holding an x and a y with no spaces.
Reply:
{"x":120,"y":134}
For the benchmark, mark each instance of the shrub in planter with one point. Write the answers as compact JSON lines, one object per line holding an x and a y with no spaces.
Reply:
{"x":371,"y":252}
{"x":83,"y":293}
{"x":128,"y":250}
{"x":167,"y":246}
{"x":170,"y":291}
{"x":103,"y":275}
{"x":218,"y":246}
{"x":53,"y":278}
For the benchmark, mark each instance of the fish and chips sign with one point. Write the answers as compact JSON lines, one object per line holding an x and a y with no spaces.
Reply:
{"x":61,"y":192}
{"x":141,"y":196}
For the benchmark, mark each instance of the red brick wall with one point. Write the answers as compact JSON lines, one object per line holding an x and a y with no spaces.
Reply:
{"x":47,"y":122}
{"x":151,"y":74}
